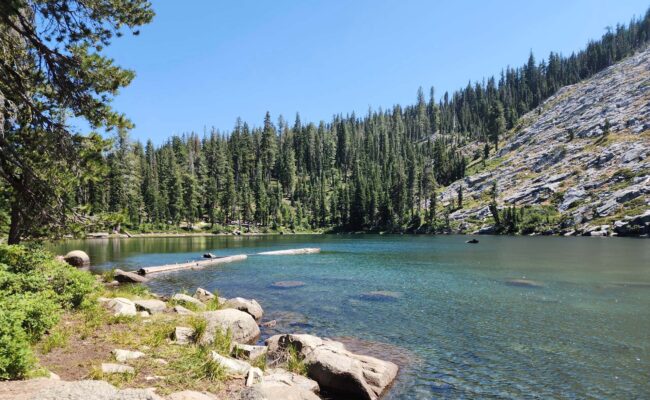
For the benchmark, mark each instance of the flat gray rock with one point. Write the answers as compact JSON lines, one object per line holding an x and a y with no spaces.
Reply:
{"x":152,"y":306}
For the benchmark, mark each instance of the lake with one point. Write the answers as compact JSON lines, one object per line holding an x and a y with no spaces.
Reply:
{"x":444,"y":310}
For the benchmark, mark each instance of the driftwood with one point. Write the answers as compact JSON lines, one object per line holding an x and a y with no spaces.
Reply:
{"x":191,"y":265}
{"x":308,"y":250}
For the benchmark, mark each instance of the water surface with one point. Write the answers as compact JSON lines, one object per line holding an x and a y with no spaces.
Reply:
{"x":448,"y":316}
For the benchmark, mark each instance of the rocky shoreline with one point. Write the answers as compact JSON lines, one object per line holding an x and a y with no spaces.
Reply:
{"x":286,"y":366}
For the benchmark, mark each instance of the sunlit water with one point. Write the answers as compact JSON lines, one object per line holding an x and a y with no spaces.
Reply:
{"x":455,"y":327}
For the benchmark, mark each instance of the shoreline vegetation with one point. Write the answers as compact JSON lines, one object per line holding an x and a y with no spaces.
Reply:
{"x":79,"y":327}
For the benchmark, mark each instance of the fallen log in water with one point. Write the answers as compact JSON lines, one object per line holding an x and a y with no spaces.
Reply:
{"x":191,"y":265}
{"x":308,"y":250}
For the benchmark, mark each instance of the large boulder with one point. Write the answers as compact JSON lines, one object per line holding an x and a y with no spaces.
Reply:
{"x":251,"y":306}
{"x":242,"y":326}
{"x":128,"y":277}
{"x":77,"y":258}
{"x":336,"y":370}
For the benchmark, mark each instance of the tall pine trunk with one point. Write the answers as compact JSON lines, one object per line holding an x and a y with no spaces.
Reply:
{"x":16,"y":223}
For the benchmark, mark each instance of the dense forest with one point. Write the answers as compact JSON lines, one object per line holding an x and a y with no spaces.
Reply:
{"x":379,"y":171}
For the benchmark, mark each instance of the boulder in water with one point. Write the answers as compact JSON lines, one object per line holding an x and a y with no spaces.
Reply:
{"x":77,"y":258}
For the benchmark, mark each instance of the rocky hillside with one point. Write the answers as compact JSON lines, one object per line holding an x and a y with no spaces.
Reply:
{"x":562,"y":166}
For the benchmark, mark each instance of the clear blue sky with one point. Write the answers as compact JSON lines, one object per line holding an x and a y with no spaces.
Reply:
{"x":204,"y":63}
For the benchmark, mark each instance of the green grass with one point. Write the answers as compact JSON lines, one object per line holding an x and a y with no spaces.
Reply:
{"x":295,"y":363}
{"x":129,"y":291}
{"x":58,"y":338}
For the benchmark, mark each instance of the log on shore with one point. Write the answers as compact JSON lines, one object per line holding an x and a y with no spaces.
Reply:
{"x":191,"y":265}
{"x":308,"y":250}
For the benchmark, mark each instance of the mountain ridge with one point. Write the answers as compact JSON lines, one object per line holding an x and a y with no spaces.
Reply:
{"x":584,"y":152}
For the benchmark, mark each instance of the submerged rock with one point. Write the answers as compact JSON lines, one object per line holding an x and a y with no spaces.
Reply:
{"x":524,"y":283}
{"x":287,"y":284}
{"x":381,"y":295}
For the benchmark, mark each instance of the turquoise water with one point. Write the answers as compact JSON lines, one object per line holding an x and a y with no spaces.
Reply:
{"x":455,"y":326}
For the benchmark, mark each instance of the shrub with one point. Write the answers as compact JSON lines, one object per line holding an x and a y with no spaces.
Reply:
{"x":16,"y":357}
{"x":34,"y":288}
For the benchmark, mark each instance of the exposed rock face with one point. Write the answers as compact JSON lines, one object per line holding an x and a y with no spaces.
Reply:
{"x":593,"y":176}
{"x":128,"y":277}
{"x":77,"y":258}
{"x":251,"y":306}
{"x":152,"y":306}
{"x":54,"y":389}
{"x":634,"y":225}
{"x":243,"y":327}
{"x":334,"y":368}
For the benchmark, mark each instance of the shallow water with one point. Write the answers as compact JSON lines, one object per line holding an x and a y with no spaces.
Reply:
{"x":448,"y":316}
